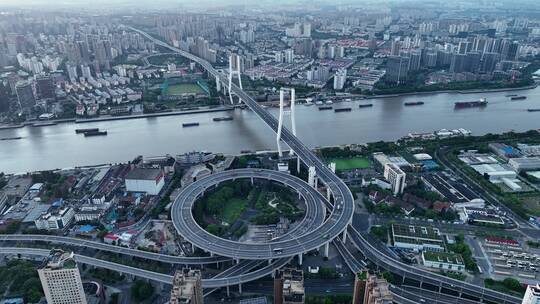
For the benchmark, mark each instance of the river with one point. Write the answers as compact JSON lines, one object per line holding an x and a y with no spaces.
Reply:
{"x":58,"y":146}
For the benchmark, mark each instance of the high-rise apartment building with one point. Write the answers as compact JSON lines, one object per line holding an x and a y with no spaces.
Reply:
{"x":377,"y":291}
{"x":532,"y":295}
{"x":339,"y":79}
{"x":187,"y":287}
{"x":25,"y":93}
{"x":397,"y":68}
{"x":45,"y":87}
{"x":289,"y":287}
{"x":396,"y":177}
{"x":60,"y":279}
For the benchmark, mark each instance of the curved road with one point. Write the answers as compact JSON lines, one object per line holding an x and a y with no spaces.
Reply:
{"x":310,"y":234}
{"x":342,"y":197}
{"x":234,"y":278}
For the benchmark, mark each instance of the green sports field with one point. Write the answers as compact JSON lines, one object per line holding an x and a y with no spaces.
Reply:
{"x":350,"y":163}
{"x":184,"y":88}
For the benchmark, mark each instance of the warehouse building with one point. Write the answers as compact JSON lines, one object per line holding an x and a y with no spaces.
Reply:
{"x":149,"y":181}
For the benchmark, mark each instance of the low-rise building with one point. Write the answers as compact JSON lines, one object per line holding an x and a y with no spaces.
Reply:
{"x":525,"y":163}
{"x":417,"y":238}
{"x":495,"y":172}
{"x":149,"y":181}
{"x":481,"y":216}
{"x":55,"y":218}
{"x":443,"y":261}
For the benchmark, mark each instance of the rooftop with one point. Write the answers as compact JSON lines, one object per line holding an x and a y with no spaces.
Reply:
{"x":144,"y":174}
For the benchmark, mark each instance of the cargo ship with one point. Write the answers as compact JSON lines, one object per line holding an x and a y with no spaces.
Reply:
{"x":414,"y":103}
{"x":226,"y":118}
{"x":11,"y":138}
{"x":518,"y":97}
{"x":44,"y":124}
{"x":510,"y":95}
{"x":325,"y":108}
{"x":190,"y":124}
{"x":482,"y":102}
{"x":79,"y":131}
{"x":95,"y":133}
{"x":343,"y":110}
{"x":365,"y":105}
{"x":533,"y":110}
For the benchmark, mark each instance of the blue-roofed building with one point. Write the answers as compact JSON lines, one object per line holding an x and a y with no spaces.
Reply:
{"x":429,"y":165}
{"x":58,"y":203}
{"x":12,"y":301}
{"x":504,"y":151}
{"x":86,"y":228}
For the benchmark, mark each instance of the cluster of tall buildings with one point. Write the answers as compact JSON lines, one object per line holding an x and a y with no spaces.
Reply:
{"x":477,"y":55}
{"x":201,"y":48}
{"x":299,"y":30}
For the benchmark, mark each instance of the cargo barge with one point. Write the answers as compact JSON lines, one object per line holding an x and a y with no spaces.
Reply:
{"x":95,"y":133}
{"x":518,"y":97}
{"x":226,"y":118}
{"x":190,"y":124}
{"x":365,"y":105}
{"x":343,"y":110}
{"x":415,"y":103}
{"x":44,"y":124}
{"x":471,"y":104}
{"x":533,"y":110}
{"x":11,"y":138}
{"x":79,"y":131}
{"x":325,"y":108}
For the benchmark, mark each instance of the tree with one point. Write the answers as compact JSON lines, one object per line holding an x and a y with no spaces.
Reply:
{"x":512,"y":284}
{"x":141,"y":290}
{"x":213,"y":229}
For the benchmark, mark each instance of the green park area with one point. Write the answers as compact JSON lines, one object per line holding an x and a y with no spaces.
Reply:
{"x":350,"y":163}
{"x":223,"y":211}
{"x":184,"y":88}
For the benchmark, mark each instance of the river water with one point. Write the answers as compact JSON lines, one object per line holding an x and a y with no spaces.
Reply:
{"x":59,"y":147}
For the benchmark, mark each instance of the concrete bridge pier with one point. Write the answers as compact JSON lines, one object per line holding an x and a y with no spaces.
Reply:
{"x":344,"y":236}
{"x":240,"y":288}
{"x":326,"y":250}
{"x":300,"y":258}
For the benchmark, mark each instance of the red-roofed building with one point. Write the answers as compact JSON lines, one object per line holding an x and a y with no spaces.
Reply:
{"x":439,"y":206}
{"x":111,"y":238}
{"x":499,"y":241}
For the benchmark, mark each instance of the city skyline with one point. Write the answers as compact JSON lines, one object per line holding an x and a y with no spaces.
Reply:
{"x":275,"y":152}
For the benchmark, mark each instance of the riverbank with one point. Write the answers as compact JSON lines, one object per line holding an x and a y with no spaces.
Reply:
{"x":110,"y":118}
{"x":472,"y":91}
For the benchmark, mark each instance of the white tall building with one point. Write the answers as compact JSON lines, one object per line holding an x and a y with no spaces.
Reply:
{"x":532,"y":295}
{"x":395,"y":176}
{"x":61,"y":280}
{"x":278,"y":57}
{"x":289,"y":56}
{"x":339,"y":79}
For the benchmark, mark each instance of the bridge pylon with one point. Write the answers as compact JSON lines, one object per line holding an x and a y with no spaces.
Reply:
{"x":234,"y":71}
{"x":282,"y":112}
